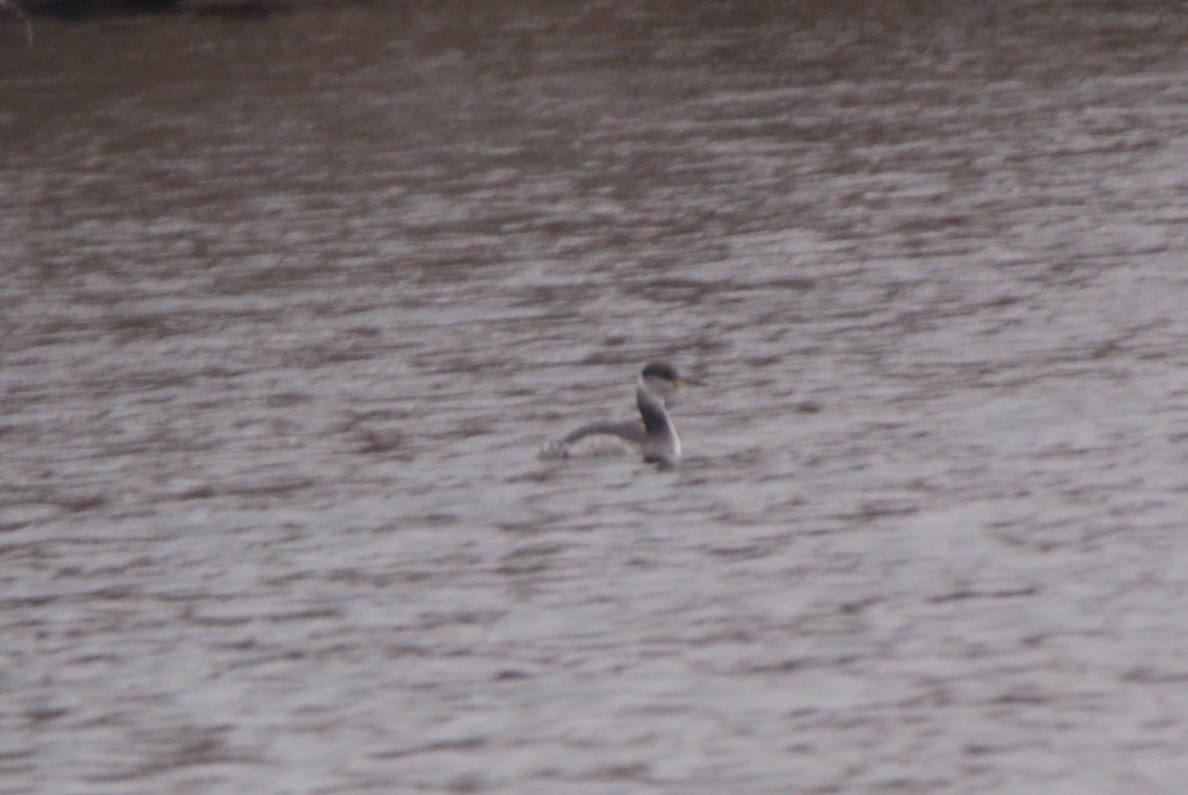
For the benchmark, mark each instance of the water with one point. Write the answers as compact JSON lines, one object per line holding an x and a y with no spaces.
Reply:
{"x":290,"y":299}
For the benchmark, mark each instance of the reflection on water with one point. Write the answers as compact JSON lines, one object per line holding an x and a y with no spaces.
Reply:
{"x":288,"y":305}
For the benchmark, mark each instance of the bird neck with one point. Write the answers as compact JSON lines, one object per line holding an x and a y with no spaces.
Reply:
{"x":651,"y":409}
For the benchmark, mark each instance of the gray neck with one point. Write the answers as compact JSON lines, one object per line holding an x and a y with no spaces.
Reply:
{"x":662,"y":445}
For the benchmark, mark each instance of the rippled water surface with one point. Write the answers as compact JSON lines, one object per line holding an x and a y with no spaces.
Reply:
{"x":291,"y":298}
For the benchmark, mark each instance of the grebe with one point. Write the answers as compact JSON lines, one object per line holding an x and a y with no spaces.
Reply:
{"x":655,"y":438}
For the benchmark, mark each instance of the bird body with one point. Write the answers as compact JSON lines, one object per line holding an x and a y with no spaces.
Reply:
{"x":653,"y":437}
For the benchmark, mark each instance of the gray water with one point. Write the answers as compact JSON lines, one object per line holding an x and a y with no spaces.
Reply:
{"x":291,"y":298}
